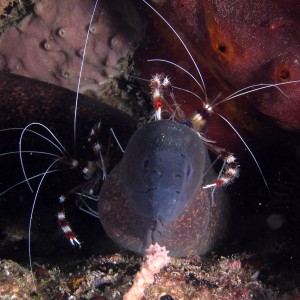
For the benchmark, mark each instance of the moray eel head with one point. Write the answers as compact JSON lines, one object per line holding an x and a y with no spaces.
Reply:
{"x":154,"y":194}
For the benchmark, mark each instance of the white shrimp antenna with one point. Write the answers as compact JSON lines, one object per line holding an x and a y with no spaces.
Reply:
{"x":183,"y":44}
{"x":58,"y":146}
{"x":31,"y":216}
{"x":251,"y":153}
{"x":80,"y":72}
{"x":254,"y":88}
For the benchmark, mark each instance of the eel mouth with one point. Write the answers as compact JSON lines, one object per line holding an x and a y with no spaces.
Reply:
{"x":155,"y":234}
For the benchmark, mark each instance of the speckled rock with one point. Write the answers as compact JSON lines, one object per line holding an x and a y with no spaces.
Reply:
{"x":48,"y":44}
{"x":16,"y":282}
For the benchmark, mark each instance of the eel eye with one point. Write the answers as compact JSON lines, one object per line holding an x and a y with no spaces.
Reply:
{"x":146,"y":165}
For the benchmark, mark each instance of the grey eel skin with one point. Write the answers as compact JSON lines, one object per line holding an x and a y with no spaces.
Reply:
{"x":155,"y":193}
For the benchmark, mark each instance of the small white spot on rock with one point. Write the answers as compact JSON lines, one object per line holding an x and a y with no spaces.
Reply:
{"x":61,"y":32}
{"x":66,"y":74}
{"x":46,"y":45}
{"x":116,"y":42}
{"x":80,"y":52}
{"x":93,"y":29}
{"x":39,"y":8}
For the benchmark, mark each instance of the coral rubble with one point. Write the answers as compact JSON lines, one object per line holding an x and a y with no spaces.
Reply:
{"x":109,"y":277}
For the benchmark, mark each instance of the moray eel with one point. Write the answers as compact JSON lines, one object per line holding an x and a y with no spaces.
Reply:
{"x":24,"y":100}
{"x":154,"y":194}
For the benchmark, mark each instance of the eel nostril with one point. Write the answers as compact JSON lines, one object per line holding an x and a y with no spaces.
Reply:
{"x":157,"y":172}
{"x":146,"y":165}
